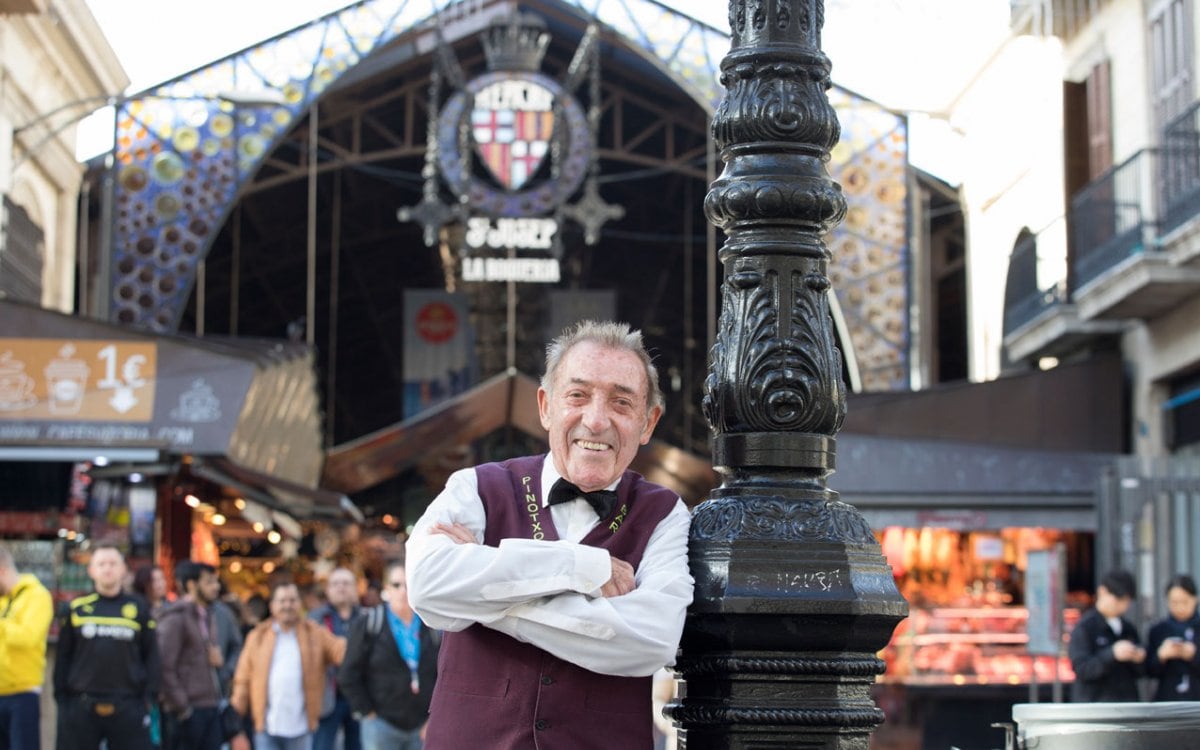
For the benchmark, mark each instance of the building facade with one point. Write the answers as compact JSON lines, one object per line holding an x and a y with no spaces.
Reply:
{"x":1117,"y":268}
{"x":55,"y":67}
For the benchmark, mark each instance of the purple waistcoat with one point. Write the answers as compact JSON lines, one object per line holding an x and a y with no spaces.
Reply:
{"x":497,"y":693}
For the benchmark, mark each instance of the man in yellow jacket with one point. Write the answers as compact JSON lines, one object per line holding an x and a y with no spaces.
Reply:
{"x":280,"y":676}
{"x":25,"y":614}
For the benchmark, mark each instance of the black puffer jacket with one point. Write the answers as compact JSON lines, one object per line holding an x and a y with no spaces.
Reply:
{"x":376,"y":679}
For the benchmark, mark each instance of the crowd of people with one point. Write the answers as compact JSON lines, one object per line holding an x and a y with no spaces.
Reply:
{"x":539,"y":598}
{"x":138,"y":669}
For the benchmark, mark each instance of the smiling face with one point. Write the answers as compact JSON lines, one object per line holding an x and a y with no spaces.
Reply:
{"x":285,"y":605}
{"x":596,"y":414}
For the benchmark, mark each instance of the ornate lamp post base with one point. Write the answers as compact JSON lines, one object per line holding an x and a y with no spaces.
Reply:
{"x":793,"y":596}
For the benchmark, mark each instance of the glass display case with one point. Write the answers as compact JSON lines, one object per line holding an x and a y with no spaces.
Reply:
{"x":971,"y":646}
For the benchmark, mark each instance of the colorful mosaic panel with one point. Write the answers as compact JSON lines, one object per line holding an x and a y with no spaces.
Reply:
{"x":870,"y":264}
{"x":184,"y":149}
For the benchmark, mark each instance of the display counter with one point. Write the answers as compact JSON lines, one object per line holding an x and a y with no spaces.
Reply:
{"x":970,"y":646}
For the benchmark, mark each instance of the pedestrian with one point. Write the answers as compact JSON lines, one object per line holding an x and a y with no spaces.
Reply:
{"x":339,"y":610}
{"x":227,"y":631}
{"x":26,"y":610}
{"x":150,"y":583}
{"x":190,"y":659}
{"x":1171,"y":650}
{"x":281,"y":674}
{"x":1104,"y":648}
{"x":390,"y":669}
{"x":562,"y":581}
{"x":106,"y":667}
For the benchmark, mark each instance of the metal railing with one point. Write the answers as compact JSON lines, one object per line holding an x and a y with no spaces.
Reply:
{"x":1111,"y":217}
{"x":1036,"y":277}
{"x":1179,"y":170}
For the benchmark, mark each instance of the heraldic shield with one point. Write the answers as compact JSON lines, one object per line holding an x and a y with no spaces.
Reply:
{"x":512,"y":124}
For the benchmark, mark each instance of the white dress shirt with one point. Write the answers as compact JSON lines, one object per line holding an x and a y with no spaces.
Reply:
{"x":547,"y":593}
{"x":285,"y":698}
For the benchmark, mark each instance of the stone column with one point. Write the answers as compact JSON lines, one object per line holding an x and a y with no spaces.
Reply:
{"x":793,"y":596}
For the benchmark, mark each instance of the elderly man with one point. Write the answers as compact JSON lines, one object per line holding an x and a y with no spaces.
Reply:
{"x":562,"y":582}
{"x":340,"y":608}
{"x":281,"y":673}
{"x":25,"y":614}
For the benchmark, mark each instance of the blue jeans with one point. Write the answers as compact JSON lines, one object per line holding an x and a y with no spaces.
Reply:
{"x":341,"y":717}
{"x":377,"y":734}
{"x":264,"y":741}
{"x":20,"y":715}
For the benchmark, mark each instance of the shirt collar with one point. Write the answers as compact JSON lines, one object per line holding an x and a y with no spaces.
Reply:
{"x":550,"y":475}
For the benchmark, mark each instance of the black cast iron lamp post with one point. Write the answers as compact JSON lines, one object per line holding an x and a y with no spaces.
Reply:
{"x":793,"y":596}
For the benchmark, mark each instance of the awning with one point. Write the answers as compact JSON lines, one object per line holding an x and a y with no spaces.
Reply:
{"x":275,"y":493}
{"x":507,"y":400}
{"x":83,"y":385}
{"x":893,"y":481}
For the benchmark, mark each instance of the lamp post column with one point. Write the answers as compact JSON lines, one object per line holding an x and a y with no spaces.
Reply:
{"x":793,"y":596}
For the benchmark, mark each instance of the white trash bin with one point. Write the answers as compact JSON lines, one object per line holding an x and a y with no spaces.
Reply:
{"x":1108,"y":726}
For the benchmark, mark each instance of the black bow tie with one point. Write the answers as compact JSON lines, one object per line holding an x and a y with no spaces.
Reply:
{"x":602,"y":501}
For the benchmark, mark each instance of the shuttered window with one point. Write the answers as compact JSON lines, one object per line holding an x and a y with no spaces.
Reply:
{"x":21,"y":255}
{"x":1171,"y":58}
{"x":1099,"y":119}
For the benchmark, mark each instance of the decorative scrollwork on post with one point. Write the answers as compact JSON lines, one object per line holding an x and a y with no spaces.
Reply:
{"x":793,"y":597}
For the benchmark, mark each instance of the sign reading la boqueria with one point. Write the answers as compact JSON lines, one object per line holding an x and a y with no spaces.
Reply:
{"x":513,"y":146}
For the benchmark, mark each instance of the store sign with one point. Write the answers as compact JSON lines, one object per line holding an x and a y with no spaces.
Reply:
{"x":516,"y":234}
{"x":77,"y":380}
{"x":1045,"y":597}
{"x":63,"y":385}
{"x":536,"y":270}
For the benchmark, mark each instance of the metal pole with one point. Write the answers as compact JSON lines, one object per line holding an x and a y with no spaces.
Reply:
{"x":235,"y":272}
{"x":310,"y":307}
{"x":85,"y":248}
{"x":793,"y":596}
{"x":104,"y":280}
{"x":510,"y":344}
{"x":335,"y":249}
{"x":201,"y":292}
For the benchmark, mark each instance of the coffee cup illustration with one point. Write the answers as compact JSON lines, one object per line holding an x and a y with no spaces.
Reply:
{"x":66,"y":382}
{"x":16,"y":387}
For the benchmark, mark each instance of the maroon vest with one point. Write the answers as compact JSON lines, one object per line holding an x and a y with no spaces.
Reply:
{"x":498,"y":693}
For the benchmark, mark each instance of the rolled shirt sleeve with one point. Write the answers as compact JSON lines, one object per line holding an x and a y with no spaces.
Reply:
{"x":546,"y":593}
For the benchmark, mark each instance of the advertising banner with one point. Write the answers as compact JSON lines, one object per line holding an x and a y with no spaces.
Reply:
{"x":439,"y":348}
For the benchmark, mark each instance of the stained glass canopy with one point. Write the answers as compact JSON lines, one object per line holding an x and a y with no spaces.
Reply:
{"x":185,"y":148}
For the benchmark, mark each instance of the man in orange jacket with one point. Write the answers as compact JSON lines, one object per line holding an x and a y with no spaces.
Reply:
{"x":280,"y":654}
{"x":25,"y":614}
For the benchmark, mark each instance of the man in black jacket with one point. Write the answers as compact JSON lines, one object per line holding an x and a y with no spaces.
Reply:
{"x":1104,"y":649}
{"x":107,"y":668}
{"x":390,"y":668}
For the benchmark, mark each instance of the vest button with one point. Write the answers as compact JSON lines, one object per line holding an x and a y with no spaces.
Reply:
{"x":547,"y":679}
{"x":540,"y":724}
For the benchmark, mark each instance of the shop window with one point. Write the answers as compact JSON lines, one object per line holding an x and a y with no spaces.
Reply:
{"x":1183,"y":414}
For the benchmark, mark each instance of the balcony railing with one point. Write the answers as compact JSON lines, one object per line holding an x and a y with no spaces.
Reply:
{"x":1036,"y":276}
{"x":1110,"y":218}
{"x":1179,"y":170}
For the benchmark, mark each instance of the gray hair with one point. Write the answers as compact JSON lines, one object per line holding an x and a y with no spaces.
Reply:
{"x":6,"y":558}
{"x":609,"y":335}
